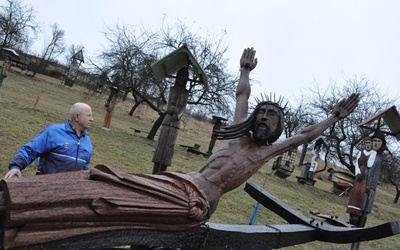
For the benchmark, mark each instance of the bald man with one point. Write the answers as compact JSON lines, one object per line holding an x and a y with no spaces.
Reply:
{"x":61,"y":147}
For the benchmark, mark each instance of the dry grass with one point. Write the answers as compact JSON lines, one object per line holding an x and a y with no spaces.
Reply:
{"x":120,"y":148}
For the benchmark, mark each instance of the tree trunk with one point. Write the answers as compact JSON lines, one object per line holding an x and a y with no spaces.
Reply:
{"x":126,"y":92}
{"x":325,"y":162}
{"x":396,"y":199}
{"x":134,"y":108}
{"x":303,"y":154}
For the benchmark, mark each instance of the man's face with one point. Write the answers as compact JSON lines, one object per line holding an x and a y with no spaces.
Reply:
{"x":265,"y":123}
{"x":376,"y":144}
{"x":368,"y":145}
{"x":85,"y":119}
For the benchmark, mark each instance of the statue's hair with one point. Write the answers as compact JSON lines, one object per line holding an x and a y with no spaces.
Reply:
{"x":243,"y":128}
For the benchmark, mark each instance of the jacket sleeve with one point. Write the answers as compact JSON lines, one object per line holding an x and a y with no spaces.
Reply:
{"x":30,"y":151}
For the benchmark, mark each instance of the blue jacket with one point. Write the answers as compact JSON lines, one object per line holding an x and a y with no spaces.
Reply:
{"x":59,"y":149}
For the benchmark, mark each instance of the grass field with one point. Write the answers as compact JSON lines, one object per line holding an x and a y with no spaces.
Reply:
{"x":120,"y":148}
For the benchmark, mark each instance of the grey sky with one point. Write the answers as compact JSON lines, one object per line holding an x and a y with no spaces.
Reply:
{"x":298,"y":42}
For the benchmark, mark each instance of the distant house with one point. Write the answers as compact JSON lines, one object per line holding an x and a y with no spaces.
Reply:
{"x":15,"y":58}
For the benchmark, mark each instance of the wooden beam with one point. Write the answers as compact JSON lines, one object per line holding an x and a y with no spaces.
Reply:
{"x":325,"y":230}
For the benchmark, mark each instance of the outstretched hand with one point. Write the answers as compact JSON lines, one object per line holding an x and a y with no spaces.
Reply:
{"x":13,"y":172}
{"x":344,"y":107}
{"x":248,"y":59}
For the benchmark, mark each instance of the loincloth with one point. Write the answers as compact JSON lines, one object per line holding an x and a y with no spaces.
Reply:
{"x":53,"y":207}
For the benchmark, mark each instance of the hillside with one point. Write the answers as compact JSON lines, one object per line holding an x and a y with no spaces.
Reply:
{"x":121,"y":148}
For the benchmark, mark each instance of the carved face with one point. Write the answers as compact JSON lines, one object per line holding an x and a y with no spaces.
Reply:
{"x":376,"y":144}
{"x":368,"y":145}
{"x":265,"y":123}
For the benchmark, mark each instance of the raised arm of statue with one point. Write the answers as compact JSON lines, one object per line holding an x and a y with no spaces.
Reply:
{"x":247,"y":63}
{"x":341,"y":110}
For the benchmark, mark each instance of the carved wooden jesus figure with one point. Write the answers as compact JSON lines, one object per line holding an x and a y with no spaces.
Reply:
{"x":38,"y":209}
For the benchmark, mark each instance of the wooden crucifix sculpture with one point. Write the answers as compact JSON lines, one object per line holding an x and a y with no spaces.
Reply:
{"x":40,"y":209}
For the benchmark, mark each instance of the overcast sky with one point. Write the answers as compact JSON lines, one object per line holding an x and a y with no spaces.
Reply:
{"x":298,"y":42}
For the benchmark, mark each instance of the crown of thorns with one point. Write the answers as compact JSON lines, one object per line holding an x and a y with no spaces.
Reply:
{"x":271,"y":99}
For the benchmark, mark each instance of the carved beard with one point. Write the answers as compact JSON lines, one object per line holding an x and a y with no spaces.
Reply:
{"x":262,"y":133}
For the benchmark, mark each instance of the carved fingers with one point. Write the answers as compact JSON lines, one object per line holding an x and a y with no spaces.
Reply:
{"x":248,"y":59}
{"x":344,"y":107}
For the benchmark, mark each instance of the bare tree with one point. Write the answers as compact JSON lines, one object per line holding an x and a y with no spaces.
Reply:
{"x":128,"y":58}
{"x":390,"y":172}
{"x":53,"y":49}
{"x":210,"y":55}
{"x":17,"y":25}
{"x":131,"y":52}
{"x":344,"y":137}
{"x":210,"y":52}
{"x":297,"y":118}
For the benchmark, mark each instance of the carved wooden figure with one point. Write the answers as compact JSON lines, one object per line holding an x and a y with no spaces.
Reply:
{"x":176,"y":106}
{"x":72,"y":73}
{"x":367,"y":170}
{"x":110,"y":105}
{"x":40,"y":209}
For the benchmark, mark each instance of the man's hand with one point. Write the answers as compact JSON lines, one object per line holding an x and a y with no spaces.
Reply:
{"x":248,"y":59}
{"x":13,"y":172}
{"x":343,"y":108}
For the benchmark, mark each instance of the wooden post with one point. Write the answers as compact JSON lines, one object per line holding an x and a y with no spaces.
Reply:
{"x":180,"y":60}
{"x":169,"y":129}
{"x":303,"y":154}
{"x":217,"y":125}
{"x":38,"y":96}
{"x":37,"y":100}
{"x":110,"y":105}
